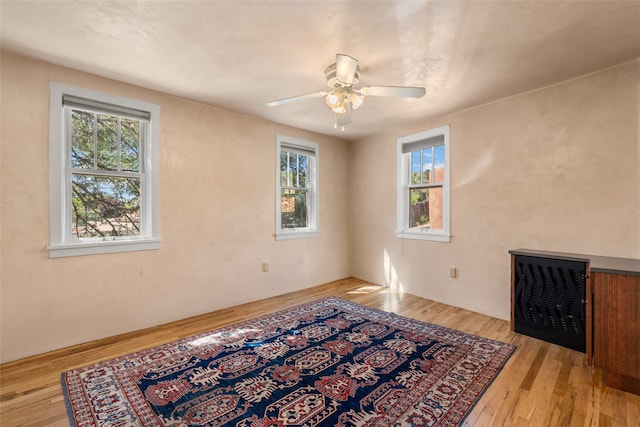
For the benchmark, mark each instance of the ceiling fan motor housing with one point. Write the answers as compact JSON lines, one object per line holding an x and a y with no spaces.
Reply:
{"x":333,"y":81}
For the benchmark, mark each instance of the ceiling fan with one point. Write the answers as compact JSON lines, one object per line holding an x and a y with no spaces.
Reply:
{"x":342,"y":77}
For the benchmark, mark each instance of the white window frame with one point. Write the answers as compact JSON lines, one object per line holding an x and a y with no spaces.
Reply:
{"x":61,"y":242}
{"x":404,"y":172}
{"x":313,"y":228}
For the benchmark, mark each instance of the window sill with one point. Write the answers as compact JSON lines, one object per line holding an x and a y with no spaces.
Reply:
{"x":435,"y":236}
{"x":289,"y":235}
{"x":101,"y":247}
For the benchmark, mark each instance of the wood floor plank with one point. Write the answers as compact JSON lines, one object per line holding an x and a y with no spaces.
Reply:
{"x":633,"y":410}
{"x":541,"y":385}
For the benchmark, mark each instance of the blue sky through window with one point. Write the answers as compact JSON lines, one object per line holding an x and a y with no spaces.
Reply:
{"x":422,"y":162}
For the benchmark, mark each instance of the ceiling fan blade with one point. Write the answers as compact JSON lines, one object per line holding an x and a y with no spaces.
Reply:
{"x":295,"y":98}
{"x":345,"y":68}
{"x":404,"y":91}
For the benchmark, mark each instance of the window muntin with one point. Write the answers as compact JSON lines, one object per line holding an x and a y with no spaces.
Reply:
{"x":423,"y":185}
{"x":103,"y":172}
{"x":297,"y":196}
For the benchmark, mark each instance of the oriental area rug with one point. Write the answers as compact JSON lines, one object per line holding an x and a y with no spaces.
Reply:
{"x":329,"y":362}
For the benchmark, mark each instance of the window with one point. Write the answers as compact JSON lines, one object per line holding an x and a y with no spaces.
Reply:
{"x":296,"y":189}
{"x":103,"y":172}
{"x":423,"y":185}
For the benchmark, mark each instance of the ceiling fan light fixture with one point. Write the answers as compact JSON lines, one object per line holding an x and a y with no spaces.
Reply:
{"x":356,"y":100}
{"x":334,"y":100}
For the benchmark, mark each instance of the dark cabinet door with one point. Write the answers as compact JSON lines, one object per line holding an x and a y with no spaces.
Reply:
{"x":549,"y":298}
{"x":616,"y":328}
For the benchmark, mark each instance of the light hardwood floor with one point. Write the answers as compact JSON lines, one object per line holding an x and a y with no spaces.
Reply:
{"x":541,"y":385}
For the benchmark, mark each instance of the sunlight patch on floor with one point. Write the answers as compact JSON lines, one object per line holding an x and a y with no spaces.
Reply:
{"x":228,"y":338}
{"x":372,"y":289}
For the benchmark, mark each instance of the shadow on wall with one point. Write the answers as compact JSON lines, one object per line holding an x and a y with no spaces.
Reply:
{"x":480,"y":165}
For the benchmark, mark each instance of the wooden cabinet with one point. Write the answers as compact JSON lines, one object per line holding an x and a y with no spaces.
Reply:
{"x":611,"y":310}
{"x":616,"y":328}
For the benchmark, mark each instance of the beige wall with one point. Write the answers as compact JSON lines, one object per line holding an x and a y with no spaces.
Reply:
{"x":214,"y":164}
{"x":555,"y":169}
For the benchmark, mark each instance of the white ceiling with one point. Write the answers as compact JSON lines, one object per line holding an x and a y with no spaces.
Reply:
{"x":240,"y":54}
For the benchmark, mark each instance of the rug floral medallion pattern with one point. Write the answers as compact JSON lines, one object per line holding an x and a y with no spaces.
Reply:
{"x":330,"y":362}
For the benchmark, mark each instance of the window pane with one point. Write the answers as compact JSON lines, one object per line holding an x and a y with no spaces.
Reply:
{"x":302,"y":170}
{"x":81,"y":139}
{"x":293,"y":205}
{"x":105,"y":206}
{"x":425,"y":208}
{"x":107,"y":142}
{"x":293,"y":169}
{"x":415,"y":167}
{"x":439,"y":164}
{"x":130,"y":145}
{"x":427,"y":164}
{"x":283,"y":168}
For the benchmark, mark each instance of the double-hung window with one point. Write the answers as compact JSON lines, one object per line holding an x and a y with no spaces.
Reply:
{"x":103,"y":173}
{"x":423,"y":185}
{"x":296,"y":189}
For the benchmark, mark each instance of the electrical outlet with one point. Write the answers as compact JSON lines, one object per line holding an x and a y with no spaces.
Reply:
{"x":453,"y":272}
{"x":265,"y":267}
